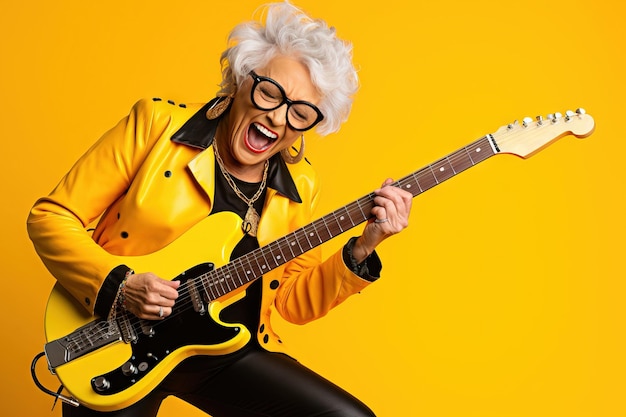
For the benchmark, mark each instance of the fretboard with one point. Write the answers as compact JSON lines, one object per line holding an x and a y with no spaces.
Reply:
{"x":253,"y":265}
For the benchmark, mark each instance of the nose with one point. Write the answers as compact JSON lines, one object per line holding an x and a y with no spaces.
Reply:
{"x":278,"y":116}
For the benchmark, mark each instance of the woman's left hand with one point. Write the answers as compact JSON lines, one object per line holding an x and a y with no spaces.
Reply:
{"x":390,"y":216}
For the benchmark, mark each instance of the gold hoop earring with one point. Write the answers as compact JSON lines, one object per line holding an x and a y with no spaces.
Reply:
{"x":220,"y":106}
{"x":293,"y":159}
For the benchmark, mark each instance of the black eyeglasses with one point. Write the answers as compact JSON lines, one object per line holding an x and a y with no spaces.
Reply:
{"x":267,"y":94}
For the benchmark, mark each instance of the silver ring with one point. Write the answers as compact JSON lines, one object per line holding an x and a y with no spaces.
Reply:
{"x":160,"y":311}
{"x":381,"y":220}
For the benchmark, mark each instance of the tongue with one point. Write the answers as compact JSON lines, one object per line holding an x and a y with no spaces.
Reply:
{"x":256,"y":140}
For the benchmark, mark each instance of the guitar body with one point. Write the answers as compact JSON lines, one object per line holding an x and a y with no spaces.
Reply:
{"x":120,"y":373}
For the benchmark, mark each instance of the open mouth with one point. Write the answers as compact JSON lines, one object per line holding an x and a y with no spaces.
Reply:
{"x":260,"y":138}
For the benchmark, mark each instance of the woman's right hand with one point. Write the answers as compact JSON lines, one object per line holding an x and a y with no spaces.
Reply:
{"x":149,"y":297}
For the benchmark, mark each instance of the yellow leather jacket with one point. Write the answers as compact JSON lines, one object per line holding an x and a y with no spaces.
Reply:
{"x":147,"y":181}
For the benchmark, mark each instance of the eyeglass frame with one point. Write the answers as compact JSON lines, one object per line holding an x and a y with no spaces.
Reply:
{"x":258,"y":78}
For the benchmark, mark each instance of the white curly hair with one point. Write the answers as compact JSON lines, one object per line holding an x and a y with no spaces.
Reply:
{"x":284,"y":29}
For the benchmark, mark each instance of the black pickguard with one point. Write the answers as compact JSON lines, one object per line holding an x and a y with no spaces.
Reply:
{"x":158,"y":339}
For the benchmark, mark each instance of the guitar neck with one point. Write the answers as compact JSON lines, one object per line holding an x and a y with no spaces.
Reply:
{"x":253,"y":265}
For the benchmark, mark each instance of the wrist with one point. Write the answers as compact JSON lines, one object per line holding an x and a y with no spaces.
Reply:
{"x":360,"y":251}
{"x":368,"y":268}
{"x":120,"y":297}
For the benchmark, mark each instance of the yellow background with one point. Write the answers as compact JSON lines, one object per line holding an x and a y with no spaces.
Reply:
{"x":505,"y":297}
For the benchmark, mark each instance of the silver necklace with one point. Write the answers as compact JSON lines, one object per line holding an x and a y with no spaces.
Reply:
{"x":251,"y":219}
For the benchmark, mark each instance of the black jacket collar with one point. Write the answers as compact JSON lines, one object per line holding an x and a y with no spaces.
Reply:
{"x":199,"y":132}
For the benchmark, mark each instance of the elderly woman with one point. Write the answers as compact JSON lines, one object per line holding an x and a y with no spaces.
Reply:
{"x":167,"y":166}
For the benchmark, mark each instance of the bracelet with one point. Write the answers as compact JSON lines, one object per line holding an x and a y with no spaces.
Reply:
{"x":120,"y":298}
{"x":121,"y":301}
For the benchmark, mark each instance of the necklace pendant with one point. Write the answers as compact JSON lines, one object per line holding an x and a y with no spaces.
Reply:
{"x":251,"y":221}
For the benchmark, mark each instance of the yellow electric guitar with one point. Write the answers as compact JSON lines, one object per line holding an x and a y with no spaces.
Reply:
{"x":110,"y":364}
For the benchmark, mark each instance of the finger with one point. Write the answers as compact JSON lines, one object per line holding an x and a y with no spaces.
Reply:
{"x":400,"y":199}
{"x":395,"y":211}
{"x":379,"y":213}
{"x":161,"y":312}
{"x":166,"y":289}
{"x":161,"y":295}
{"x":385,"y":207}
{"x":387,"y":182}
{"x":165,"y":302}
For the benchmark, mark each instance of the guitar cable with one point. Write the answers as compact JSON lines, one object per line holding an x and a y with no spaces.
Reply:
{"x":57,"y":395}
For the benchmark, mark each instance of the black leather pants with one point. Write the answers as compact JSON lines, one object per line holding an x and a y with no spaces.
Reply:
{"x":249,"y":383}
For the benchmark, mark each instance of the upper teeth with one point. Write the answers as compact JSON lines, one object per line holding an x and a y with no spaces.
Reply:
{"x":265,"y":131}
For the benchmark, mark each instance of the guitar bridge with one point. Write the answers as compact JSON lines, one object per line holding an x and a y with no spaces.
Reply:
{"x":85,"y":339}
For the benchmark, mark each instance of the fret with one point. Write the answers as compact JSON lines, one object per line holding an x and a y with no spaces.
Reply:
{"x":350,"y":213}
{"x":410,"y":184}
{"x":442,"y":170}
{"x":290,"y":243}
{"x":430,"y":167}
{"x":287,"y":249}
{"x":295,"y":244}
{"x":312,"y":235}
{"x":363,"y":215}
{"x":426,"y":179}
{"x":211,"y":287}
{"x":264,"y":265}
{"x":249,"y":270}
{"x":219,"y":282}
{"x":268,"y":256}
{"x":336,"y":221}
{"x":460,"y":161}
{"x":248,"y":267}
{"x":228,"y":278}
{"x":239,"y":270}
{"x":277,"y":255}
{"x":344,"y":215}
{"x":356,"y":214}
{"x":451,"y":162}
{"x":254,"y":270}
{"x":308,"y":242}
{"x":480,"y":150}
{"x":469,"y":155}
{"x":201,"y":279}
{"x":277,"y":252}
{"x":327,"y":233}
{"x":322,"y":231}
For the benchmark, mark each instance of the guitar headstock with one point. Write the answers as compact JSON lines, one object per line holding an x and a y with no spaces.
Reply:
{"x":526,"y":138}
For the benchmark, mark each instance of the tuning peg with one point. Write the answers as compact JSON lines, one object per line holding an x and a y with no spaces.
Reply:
{"x":580,"y":111}
{"x":539,"y":120}
{"x":526,"y":121}
{"x":554,"y":117}
{"x":512,"y":125}
{"x":568,"y":115}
